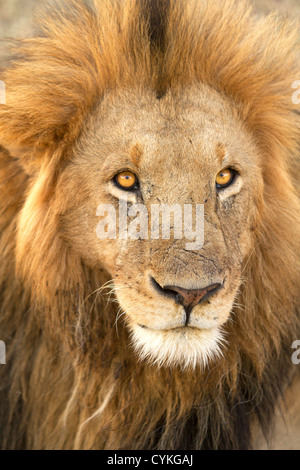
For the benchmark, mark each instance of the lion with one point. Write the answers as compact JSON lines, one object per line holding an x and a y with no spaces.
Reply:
{"x":143,"y":343}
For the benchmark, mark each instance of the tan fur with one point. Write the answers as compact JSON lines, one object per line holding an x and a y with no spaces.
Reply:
{"x":221,"y":152}
{"x":158,"y":88}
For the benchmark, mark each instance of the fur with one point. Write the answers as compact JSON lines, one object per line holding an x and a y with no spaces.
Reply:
{"x":72,"y":379}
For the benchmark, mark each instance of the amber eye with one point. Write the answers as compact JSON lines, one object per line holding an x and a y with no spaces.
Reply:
{"x":126,"y":180}
{"x":225,"y":178}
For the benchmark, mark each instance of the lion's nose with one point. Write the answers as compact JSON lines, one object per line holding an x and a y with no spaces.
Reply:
{"x":189,"y":298}
{"x":192,"y":297}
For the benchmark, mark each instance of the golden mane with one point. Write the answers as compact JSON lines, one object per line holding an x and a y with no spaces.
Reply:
{"x":57,"y":78}
{"x":74,"y":381}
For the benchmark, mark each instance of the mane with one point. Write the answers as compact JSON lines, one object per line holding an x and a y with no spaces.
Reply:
{"x":75,"y":381}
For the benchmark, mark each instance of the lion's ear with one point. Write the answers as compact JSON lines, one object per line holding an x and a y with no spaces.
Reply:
{"x":46,"y":100}
{"x":31,"y":129}
{"x":29,"y":160}
{"x":32,"y":125}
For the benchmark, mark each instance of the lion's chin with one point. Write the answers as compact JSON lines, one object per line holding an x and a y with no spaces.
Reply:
{"x":184,"y":347}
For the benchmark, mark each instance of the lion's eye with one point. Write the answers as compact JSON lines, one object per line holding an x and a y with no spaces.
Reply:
{"x":126,"y":180}
{"x":225,"y":178}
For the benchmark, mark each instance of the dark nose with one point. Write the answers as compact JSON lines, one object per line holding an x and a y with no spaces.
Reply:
{"x":189,"y":298}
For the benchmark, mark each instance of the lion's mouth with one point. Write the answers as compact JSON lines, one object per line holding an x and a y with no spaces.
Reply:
{"x":174,"y":328}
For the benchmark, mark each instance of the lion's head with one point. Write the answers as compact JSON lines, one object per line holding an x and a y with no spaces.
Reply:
{"x":175,"y":300}
{"x":179,"y":105}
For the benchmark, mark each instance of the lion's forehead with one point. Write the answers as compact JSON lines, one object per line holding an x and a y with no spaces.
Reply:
{"x":142,"y":113}
{"x":185,"y":128}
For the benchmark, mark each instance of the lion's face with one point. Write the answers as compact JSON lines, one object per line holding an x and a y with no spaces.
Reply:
{"x":175,"y":299}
